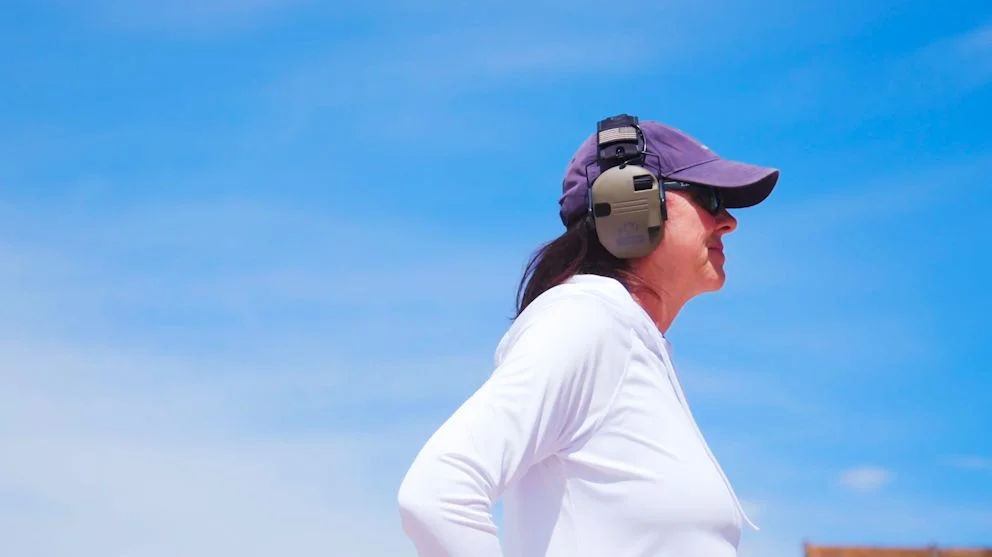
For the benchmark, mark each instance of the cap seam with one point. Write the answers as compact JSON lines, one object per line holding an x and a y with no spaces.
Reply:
{"x":694,"y":165}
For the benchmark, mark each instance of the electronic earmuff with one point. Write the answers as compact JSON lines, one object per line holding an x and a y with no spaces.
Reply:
{"x":626,"y":202}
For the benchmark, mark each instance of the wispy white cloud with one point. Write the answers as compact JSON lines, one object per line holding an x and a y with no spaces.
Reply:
{"x":245,"y":254}
{"x":123,"y":438}
{"x":119,"y":449}
{"x":103,"y":494}
{"x":976,"y":40}
{"x":420,"y":88}
{"x":969,"y":462}
{"x":136,"y":436}
{"x":963,"y":60}
{"x":929,"y":74}
{"x":865,"y":479}
{"x":432,"y":82}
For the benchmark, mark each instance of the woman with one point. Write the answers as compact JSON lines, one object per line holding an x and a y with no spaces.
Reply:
{"x":582,"y":427}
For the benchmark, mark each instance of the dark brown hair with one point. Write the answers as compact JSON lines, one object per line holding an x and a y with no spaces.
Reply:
{"x":576,"y":251}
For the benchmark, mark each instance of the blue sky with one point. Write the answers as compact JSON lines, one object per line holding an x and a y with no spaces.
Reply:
{"x":252,"y":253}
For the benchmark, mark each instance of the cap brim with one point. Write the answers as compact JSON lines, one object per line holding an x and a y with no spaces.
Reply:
{"x":743,"y":185}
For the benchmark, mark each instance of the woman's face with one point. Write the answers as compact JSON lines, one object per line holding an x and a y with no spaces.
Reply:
{"x":690,"y":256}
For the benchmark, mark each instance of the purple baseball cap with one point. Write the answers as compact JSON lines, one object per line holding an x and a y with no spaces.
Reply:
{"x":672,"y":155}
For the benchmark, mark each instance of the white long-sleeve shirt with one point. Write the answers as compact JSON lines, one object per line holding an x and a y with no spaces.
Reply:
{"x":583,"y":430}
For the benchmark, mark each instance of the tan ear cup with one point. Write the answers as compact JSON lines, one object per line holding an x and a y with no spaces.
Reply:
{"x":626,"y":206}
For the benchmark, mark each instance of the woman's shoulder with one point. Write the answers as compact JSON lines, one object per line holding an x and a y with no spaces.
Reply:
{"x":576,"y":315}
{"x":603,"y":300}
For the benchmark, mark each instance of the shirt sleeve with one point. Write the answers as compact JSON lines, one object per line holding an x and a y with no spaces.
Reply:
{"x":556,"y":375}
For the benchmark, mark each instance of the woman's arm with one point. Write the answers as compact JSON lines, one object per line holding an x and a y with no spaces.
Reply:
{"x":559,"y":371}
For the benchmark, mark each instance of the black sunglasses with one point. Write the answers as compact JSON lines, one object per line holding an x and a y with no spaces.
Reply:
{"x":709,"y":198}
